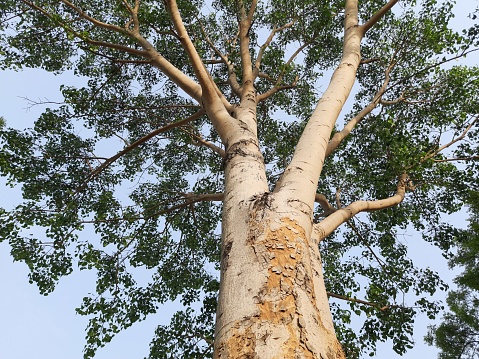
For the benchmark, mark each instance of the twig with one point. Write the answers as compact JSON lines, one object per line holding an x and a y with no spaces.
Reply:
{"x":355,"y":300}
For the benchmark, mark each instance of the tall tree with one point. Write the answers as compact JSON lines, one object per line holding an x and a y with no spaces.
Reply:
{"x":218,"y":115}
{"x":458,"y":335}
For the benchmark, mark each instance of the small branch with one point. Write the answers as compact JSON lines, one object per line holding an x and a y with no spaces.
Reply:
{"x":115,"y":60}
{"x":94,"y":21}
{"x":200,"y":141}
{"x":443,"y":147}
{"x":137,"y":143}
{"x":323,"y":202}
{"x":377,"y":16}
{"x":471,"y":158}
{"x":232,"y":80}
{"x":190,"y":198}
{"x":437,"y":64}
{"x":82,"y":37}
{"x":369,"y":61}
{"x":355,"y":230}
{"x":341,"y":135}
{"x":268,"y":41}
{"x":264,"y":96}
{"x":355,"y":300}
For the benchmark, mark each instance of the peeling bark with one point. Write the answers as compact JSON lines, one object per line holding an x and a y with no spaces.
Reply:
{"x":283,"y":310}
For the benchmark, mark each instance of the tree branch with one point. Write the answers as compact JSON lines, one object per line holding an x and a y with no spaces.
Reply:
{"x":232,"y":80}
{"x":246,"y":62}
{"x":263,"y":47}
{"x":137,"y":143}
{"x":355,"y":300}
{"x":449,"y":144}
{"x":215,"y":107}
{"x":200,"y":141}
{"x":190,"y":198}
{"x":341,"y":135}
{"x":302,"y":174}
{"x":377,"y":16}
{"x":94,"y":21}
{"x":325,"y":205}
{"x":265,"y":95}
{"x":471,"y":158}
{"x":333,"y":221}
{"x":82,"y":37}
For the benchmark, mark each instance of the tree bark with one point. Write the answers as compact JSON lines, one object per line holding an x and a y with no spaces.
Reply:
{"x":272,"y":302}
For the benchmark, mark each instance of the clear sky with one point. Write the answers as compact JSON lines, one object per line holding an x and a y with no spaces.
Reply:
{"x":36,"y":327}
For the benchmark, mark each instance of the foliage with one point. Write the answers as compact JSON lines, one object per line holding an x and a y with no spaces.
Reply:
{"x":457,"y":335}
{"x":145,"y":207}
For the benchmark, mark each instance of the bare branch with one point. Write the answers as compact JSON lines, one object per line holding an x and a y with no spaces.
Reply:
{"x":333,"y":221}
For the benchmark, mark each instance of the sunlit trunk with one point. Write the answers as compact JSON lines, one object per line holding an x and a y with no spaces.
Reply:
{"x":272,"y":301}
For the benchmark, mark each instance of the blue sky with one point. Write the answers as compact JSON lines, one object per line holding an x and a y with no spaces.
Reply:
{"x":38,"y":327}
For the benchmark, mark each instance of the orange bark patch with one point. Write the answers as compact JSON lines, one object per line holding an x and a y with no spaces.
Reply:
{"x":282,"y":247}
{"x":241,"y":344}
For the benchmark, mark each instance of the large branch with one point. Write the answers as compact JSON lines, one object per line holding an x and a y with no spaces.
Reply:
{"x":333,"y":221}
{"x":213,"y":104}
{"x":246,"y":21}
{"x":300,"y":178}
{"x":377,"y":16}
{"x":209,"y":92}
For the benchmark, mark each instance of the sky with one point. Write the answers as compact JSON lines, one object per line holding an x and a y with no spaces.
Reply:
{"x":38,"y":327}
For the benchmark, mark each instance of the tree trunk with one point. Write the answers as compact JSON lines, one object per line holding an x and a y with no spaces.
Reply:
{"x":272,"y":301}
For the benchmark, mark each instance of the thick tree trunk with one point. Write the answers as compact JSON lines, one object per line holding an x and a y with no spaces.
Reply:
{"x":272,"y":301}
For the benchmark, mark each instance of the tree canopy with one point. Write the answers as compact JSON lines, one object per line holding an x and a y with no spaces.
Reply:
{"x":126,"y":176}
{"x":458,"y":334}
